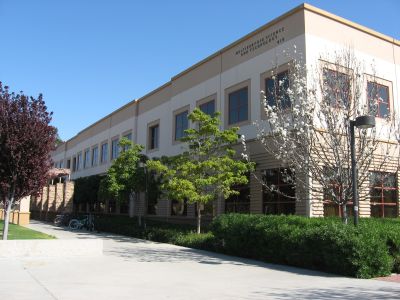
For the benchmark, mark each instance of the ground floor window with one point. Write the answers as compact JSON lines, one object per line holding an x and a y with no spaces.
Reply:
{"x":279,"y":193}
{"x":124,"y":207}
{"x":112,"y":206}
{"x":332,"y":209}
{"x":179,"y":208}
{"x":239,"y":203}
{"x":383,"y":195}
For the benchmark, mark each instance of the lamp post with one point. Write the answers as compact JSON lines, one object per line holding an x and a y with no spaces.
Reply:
{"x":362,"y":122}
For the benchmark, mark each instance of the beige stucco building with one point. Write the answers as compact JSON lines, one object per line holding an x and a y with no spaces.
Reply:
{"x":230,"y":81}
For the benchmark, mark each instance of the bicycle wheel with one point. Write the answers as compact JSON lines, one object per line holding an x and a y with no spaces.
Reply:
{"x":74,"y":224}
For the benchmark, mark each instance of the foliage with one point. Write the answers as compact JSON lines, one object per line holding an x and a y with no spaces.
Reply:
{"x":86,"y":189}
{"x":26,"y":139}
{"x":323,"y":244}
{"x":124,"y":177}
{"x":22,"y":233}
{"x":182,"y":235}
{"x":307,"y":123}
{"x":207,"y":169}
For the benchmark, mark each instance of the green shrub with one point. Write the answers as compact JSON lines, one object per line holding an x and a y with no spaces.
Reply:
{"x":370,"y":250}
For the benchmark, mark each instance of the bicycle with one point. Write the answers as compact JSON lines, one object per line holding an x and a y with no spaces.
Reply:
{"x":62,"y":220}
{"x":87,"y":222}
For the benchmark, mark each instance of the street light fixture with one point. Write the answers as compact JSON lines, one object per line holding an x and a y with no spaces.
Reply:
{"x":362,"y":122}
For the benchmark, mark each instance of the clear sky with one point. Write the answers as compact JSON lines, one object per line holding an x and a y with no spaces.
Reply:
{"x":89,"y":57}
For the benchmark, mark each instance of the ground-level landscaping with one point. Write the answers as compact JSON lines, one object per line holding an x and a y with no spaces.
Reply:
{"x":16,"y":232}
{"x":370,"y":250}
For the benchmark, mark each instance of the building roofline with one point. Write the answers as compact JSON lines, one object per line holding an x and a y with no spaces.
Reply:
{"x":303,"y":6}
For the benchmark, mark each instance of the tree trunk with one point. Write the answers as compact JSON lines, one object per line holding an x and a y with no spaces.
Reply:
{"x":344,"y":215}
{"x":198,"y":218}
{"x":137,"y":197}
{"x":7,"y":212}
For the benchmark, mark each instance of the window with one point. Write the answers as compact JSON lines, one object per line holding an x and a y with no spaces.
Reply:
{"x":276,"y":90}
{"x":238,"y":106}
{"x":279,"y":198}
{"x":338,"y":186}
{"x":129,"y":137}
{"x":178,"y":208}
{"x":337,"y":89}
{"x":61,"y":164}
{"x":114,"y":149}
{"x":124,"y":207}
{"x":378,"y":99}
{"x":181,"y":124}
{"x":208,"y":107}
{"x":104,"y":152}
{"x":95,"y":156}
{"x":383,"y":194}
{"x":68,"y":164}
{"x":153,"y":136}
{"x":86,"y":162}
{"x":239,"y":203}
{"x":79,"y":161}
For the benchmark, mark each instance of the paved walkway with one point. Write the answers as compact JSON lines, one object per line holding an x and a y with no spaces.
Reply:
{"x":137,"y":269}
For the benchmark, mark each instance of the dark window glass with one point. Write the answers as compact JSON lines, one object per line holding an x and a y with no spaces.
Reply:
{"x":68,"y":164}
{"x":154,"y":133}
{"x":239,"y":203}
{"x":238,"y":106}
{"x":95,"y":154}
{"x":181,"y":124}
{"x":277,"y":90}
{"x":178,"y":208}
{"x":112,"y":206}
{"x":74,"y":164}
{"x":124,"y":207}
{"x":104,"y":152}
{"x":208,"y":108}
{"x":86,"y":162}
{"x":279,"y":198}
{"x":378,"y":99}
{"x":383,"y":195}
{"x":114,"y":149}
{"x":337,"y":89}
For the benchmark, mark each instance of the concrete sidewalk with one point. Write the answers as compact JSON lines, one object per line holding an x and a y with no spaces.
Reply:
{"x":136,"y":269}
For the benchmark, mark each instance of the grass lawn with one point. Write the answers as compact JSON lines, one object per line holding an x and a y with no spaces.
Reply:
{"x":16,"y":232}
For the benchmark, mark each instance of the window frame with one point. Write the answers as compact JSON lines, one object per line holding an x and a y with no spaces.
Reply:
{"x":94,"y":162}
{"x":383,"y":82}
{"x":382,"y":189}
{"x":175,"y":114}
{"x":207,"y":100}
{"x":279,"y":195}
{"x":103,"y":158}
{"x":114,"y":142}
{"x":150,"y":126}
{"x":230,"y":90}
{"x":86,"y":154}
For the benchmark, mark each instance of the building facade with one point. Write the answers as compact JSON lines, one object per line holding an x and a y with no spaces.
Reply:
{"x":230,"y":81}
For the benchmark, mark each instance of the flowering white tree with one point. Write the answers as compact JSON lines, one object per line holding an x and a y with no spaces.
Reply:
{"x":307,"y":124}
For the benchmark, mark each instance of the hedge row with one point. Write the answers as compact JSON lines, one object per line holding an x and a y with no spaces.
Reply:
{"x":182,"y":235}
{"x":325,"y":244}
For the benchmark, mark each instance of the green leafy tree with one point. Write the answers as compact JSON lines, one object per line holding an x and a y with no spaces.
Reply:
{"x":124,"y":177}
{"x":208,"y":168}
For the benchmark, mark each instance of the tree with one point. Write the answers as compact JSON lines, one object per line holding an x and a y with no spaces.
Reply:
{"x":307,"y":123}
{"x":208,"y":168}
{"x":26,"y":139}
{"x":125,"y":177}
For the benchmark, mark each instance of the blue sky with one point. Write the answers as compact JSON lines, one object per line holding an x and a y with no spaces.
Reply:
{"x":89,"y":57}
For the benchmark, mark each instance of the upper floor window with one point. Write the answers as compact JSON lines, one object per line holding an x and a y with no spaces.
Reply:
{"x":79,"y":161}
{"x":104,"y":152}
{"x":276,"y":90}
{"x":114,"y":149}
{"x":95,"y":155}
{"x":68,"y":164}
{"x":336,"y":88}
{"x":181,"y":124}
{"x":86,"y":162}
{"x":128,"y":136}
{"x":378,"y":99}
{"x":208,"y":107}
{"x":73,"y":164}
{"x":61,"y":164}
{"x":238,"y":106}
{"x":153,"y":136}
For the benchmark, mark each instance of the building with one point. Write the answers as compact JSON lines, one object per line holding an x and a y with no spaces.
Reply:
{"x":230,"y":81}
